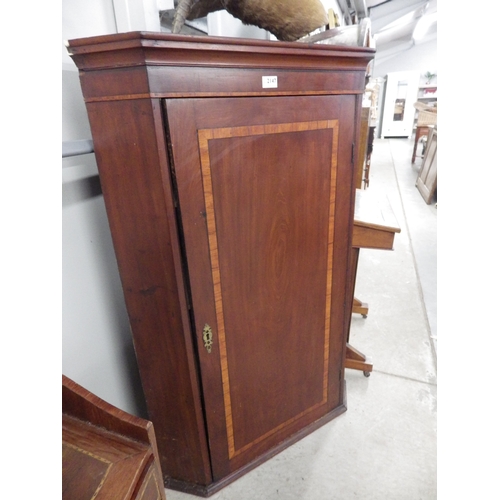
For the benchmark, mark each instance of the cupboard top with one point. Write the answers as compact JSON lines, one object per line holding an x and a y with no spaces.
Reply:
{"x":161,"y":48}
{"x":155,"y":60}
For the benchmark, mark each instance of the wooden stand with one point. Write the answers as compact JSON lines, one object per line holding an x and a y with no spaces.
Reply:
{"x":357,"y":361}
{"x":374,"y":227}
{"x":359,"y":307}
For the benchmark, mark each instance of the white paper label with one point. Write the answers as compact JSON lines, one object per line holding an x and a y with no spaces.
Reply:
{"x":269,"y":82}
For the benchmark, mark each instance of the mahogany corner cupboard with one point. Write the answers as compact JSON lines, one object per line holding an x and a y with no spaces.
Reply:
{"x":227,"y":170}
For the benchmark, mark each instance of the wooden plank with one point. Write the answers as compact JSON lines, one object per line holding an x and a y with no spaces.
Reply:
{"x":374,"y":222}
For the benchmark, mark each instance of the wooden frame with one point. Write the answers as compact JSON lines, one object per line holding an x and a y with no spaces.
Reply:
{"x":427,"y":176}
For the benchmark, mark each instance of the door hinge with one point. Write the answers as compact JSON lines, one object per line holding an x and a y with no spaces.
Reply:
{"x":352,"y":153}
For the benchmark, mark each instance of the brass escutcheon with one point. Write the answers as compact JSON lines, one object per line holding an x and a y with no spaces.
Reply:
{"x":208,"y":338}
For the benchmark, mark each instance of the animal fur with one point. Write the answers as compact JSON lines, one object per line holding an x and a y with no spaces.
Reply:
{"x":288,"y":20}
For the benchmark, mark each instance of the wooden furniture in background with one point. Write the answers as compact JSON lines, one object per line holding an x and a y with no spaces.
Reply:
{"x":426,"y":118}
{"x":426,"y":97}
{"x":107,"y":454}
{"x":427,"y":176}
{"x":368,"y":162}
{"x":401,"y":90}
{"x":372,"y":90}
{"x":374,"y":227}
{"x":361,"y":180}
{"x":227,"y":168}
{"x":420,"y":132}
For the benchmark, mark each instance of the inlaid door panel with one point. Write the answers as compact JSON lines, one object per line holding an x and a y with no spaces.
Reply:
{"x":259,"y":183}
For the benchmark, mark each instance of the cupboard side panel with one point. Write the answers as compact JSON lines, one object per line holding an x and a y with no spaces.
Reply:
{"x":131,"y":156}
{"x":349,"y":112}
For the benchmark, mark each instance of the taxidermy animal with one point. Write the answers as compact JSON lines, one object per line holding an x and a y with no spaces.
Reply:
{"x":287,"y":20}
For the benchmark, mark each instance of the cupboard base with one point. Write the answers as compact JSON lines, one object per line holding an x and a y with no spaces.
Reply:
{"x":209,"y":490}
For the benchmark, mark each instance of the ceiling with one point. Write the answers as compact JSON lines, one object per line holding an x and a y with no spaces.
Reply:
{"x":397,"y":24}
{"x":393,"y":22}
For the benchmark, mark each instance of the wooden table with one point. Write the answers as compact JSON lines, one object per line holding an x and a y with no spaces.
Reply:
{"x":374,"y":227}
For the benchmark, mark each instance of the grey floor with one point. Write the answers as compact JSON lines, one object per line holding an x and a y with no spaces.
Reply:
{"x":384,"y":446}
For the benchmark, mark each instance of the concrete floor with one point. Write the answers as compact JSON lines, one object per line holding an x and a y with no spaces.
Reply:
{"x":384,"y":446}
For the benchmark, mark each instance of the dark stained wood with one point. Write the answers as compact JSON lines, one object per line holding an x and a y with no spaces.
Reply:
{"x":175,"y":81}
{"x":106,"y":452}
{"x":136,"y":65}
{"x":152,"y":49}
{"x":136,"y":186}
{"x":264,"y":259}
{"x":360,"y":181}
{"x":231,"y":208}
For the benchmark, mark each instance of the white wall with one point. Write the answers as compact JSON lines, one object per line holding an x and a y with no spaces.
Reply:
{"x":221,"y":23}
{"x":97,"y":350}
{"x":421,"y":57}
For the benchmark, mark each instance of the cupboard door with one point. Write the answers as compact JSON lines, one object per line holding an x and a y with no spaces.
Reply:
{"x":265,"y":187}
